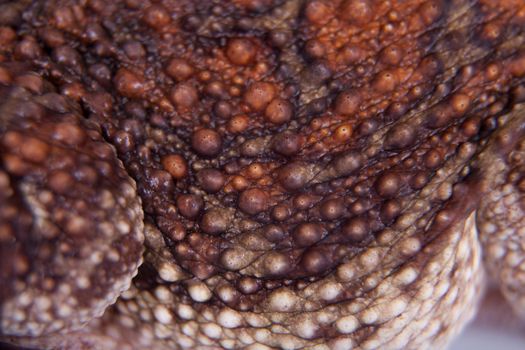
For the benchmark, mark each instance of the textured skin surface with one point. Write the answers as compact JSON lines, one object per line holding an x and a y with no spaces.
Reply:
{"x":72,"y":225}
{"x":309,"y":174}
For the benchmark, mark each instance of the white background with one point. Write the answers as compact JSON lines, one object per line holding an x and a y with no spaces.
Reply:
{"x":495,"y":327}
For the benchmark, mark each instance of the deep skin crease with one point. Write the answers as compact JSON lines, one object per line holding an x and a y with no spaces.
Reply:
{"x":258,"y":174}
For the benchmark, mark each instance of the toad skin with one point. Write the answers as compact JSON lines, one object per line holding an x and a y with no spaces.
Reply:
{"x":258,"y":174}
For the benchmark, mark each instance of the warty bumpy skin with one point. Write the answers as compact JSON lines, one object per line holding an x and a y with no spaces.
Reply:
{"x":258,"y":174}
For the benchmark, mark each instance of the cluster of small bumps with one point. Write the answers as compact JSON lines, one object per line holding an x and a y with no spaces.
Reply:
{"x":71,"y":223}
{"x":306,"y":169}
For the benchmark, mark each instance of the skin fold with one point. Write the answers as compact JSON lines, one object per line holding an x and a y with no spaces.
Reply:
{"x":258,"y":174}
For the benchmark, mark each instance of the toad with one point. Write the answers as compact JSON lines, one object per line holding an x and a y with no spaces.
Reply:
{"x":258,"y":174}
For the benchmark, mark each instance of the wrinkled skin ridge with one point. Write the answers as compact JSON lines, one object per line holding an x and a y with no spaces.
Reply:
{"x":258,"y":174}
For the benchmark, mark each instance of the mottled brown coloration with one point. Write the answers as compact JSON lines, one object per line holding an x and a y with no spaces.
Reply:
{"x":72,"y":222}
{"x":310,"y":174}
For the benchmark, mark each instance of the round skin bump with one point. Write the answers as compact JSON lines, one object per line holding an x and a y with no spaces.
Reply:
{"x":312,"y":174}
